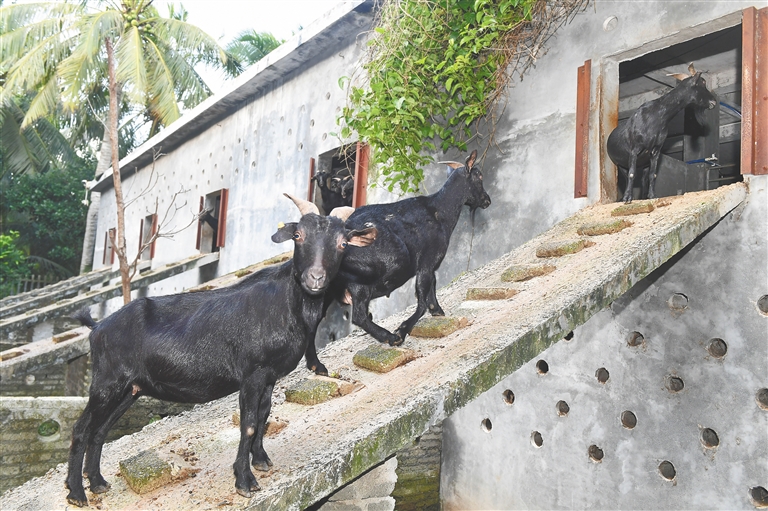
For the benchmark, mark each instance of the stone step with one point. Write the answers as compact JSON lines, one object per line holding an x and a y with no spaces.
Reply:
{"x":319,"y":389}
{"x":382,"y":359}
{"x":438,"y":326}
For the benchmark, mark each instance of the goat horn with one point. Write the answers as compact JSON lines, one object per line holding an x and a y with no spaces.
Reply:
{"x":691,"y":69}
{"x":342,"y":212}
{"x":453,"y":164}
{"x":305,"y":207}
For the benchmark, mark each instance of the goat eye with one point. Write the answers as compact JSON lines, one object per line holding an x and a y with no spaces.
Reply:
{"x":344,"y":244}
{"x":296,"y":236}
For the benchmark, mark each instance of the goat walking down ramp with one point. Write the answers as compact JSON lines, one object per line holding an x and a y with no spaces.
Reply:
{"x":637,"y":143}
{"x":197,"y":347}
{"x":413,"y":237}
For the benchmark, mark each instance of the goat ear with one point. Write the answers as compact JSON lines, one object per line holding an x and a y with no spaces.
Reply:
{"x":362,"y":237}
{"x":679,"y":76}
{"x":452,"y":164}
{"x":691,"y":69}
{"x":471,"y":160}
{"x":284,"y":232}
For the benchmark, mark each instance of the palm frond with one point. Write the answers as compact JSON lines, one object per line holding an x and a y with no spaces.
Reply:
{"x":44,"y":103}
{"x":161,"y":86}
{"x":187,"y":39}
{"x":131,"y":67}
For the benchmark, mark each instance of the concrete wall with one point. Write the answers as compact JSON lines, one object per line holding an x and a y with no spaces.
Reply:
{"x":26,"y":453}
{"x":708,"y":291}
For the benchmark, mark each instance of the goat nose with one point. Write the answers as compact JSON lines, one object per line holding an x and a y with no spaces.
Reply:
{"x":316,"y":276}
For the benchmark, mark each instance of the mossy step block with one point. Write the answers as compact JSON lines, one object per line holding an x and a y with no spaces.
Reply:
{"x":600,"y":228}
{"x":633,"y":208}
{"x":145,"y":472}
{"x":438,"y":326}
{"x":382,"y":359}
{"x":490,"y":293}
{"x":561,"y":248}
{"x":523,"y":272}
{"x":65,"y":337}
{"x":318,"y":389}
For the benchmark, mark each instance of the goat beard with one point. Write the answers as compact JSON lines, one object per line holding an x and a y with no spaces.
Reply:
{"x":698,"y":114}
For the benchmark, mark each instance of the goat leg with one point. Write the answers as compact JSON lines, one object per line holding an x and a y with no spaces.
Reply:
{"x":74,"y":481}
{"x":432,"y":305}
{"x":653,"y":171}
{"x":361,"y":298}
{"x":261,"y":460}
{"x":630,"y":178}
{"x":313,"y":363}
{"x":250,"y":397}
{"x":425,"y":283}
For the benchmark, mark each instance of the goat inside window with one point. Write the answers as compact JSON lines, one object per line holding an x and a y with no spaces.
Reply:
{"x":702,"y":148}
{"x":334,"y":178}
{"x":212,"y":223}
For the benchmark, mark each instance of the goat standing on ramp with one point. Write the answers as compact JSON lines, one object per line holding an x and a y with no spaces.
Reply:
{"x":197,"y":347}
{"x":413,"y":237}
{"x":637,"y":143}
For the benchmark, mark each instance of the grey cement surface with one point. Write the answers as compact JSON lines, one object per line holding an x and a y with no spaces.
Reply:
{"x":327,"y":445}
{"x":722,"y":274}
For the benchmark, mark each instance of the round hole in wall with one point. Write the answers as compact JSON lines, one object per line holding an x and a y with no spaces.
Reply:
{"x":253,"y":163}
{"x":602,"y":375}
{"x":667,"y":470}
{"x":48,"y":428}
{"x":542,"y":367}
{"x":224,"y":148}
{"x":562,"y":408}
{"x":762,"y":398}
{"x":203,"y":171}
{"x":29,"y":379}
{"x":338,"y":109}
{"x":635,"y":339}
{"x":509,"y":396}
{"x":255,"y":131}
{"x":301,"y":146}
{"x":486,"y":424}
{"x":596,"y":454}
{"x":311,"y":123}
{"x":209,"y":182}
{"x":215,"y":166}
{"x":610,"y":23}
{"x":709,"y":438}
{"x":282,"y":118}
{"x":210,"y":155}
{"x":290,"y":132}
{"x":327,"y":95}
{"x":238,"y":140}
{"x":678,"y":302}
{"x":222,"y":177}
{"x":628,"y":419}
{"x":325,"y":135}
{"x":245,"y":151}
{"x":675,"y":384}
{"x":536,"y":439}
{"x":762,"y":304}
{"x":302,"y":109}
{"x":717,"y":347}
{"x":759,"y":496}
{"x":279,"y":154}
{"x":198,"y":160}
{"x":237,"y":171}
{"x":568,"y":336}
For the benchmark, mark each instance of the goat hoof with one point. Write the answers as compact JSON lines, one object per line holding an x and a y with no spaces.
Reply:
{"x":244,"y":493}
{"x":397,"y":341}
{"x":437,"y":312}
{"x":262,"y":466}
{"x":101,"y":488}
{"x":321,"y":370}
{"x":77,"y":500}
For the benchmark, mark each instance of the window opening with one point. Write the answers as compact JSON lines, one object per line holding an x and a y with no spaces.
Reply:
{"x":699,"y":153}
{"x":147,"y":231}
{"x":212,"y":223}
{"x":109,"y":249}
{"x":340,"y":177}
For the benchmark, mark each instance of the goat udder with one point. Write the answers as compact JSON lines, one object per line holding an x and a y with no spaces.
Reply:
{"x":136,"y":389}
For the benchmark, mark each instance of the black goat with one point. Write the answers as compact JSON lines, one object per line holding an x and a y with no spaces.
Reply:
{"x":335,"y":190}
{"x":197,"y":347}
{"x":413,"y":237}
{"x":637,"y":143}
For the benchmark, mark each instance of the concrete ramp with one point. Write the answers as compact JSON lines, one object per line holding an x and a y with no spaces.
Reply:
{"x":539,"y":301}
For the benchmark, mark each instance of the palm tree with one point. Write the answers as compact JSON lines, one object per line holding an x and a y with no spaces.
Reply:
{"x":58,"y":51}
{"x":250,"y":46}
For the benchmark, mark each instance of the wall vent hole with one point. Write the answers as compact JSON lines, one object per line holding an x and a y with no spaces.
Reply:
{"x":562,"y":408}
{"x":487,"y":425}
{"x":602,"y":375}
{"x":667,"y":470}
{"x":762,"y":398}
{"x":759,"y":496}
{"x":635,"y":339}
{"x":717,"y":348}
{"x":709,"y":438}
{"x":675,"y":384}
{"x":48,"y":428}
{"x":678,"y":302}
{"x":628,"y":419}
{"x":542,"y":367}
{"x":762,"y":304}
{"x":536,"y":439}
{"x":595,"y":453}
{"x":509,"y":396}
{"x":568,"y":336}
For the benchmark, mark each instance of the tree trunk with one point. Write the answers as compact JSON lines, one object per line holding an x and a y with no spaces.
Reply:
{"x":91,"y":222}
{"x":122,"y":256}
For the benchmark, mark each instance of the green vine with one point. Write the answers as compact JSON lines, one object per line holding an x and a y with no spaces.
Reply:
{"x":433,"y":68}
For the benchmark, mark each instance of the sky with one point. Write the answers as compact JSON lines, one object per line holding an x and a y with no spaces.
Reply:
{"x":224,"y":19}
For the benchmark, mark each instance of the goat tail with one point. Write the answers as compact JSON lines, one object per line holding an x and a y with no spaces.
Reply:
{"x":84,"y":317}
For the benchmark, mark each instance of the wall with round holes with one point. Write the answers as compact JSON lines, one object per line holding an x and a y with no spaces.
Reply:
{"x":659,"y":401}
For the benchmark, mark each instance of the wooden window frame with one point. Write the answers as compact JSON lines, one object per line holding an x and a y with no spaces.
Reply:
{"x":221,"y":220}
{"x":754,"y":88}
{"x":583,"y":96}
{"x":108,"y":246}
{"x":362,"y":159}
{"x":153,"y":231}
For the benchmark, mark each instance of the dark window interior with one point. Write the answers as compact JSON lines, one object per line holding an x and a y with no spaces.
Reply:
{"x":693,"y":157}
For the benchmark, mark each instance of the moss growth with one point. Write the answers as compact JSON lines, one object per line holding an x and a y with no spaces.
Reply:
{"x":633,"y":208}
{"x":145,"y":472}
{"x":521,"y":273}
{"x":490,"y":293}
{"x":65,"y":336}
{"x":561,"y":248}
{"x":382,"y":359}
{"x":243,"y":273}
{"x":600,"y":228}
{"x":312,"y":392}
{"x":48,"y":428}
{"x":438,"y":326}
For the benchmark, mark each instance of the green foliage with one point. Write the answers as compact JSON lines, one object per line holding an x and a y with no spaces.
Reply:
{"x":434,"y":67}
{"x":12,"y":262}
{"x":47,"y":209}
{"x":249,"y":46}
